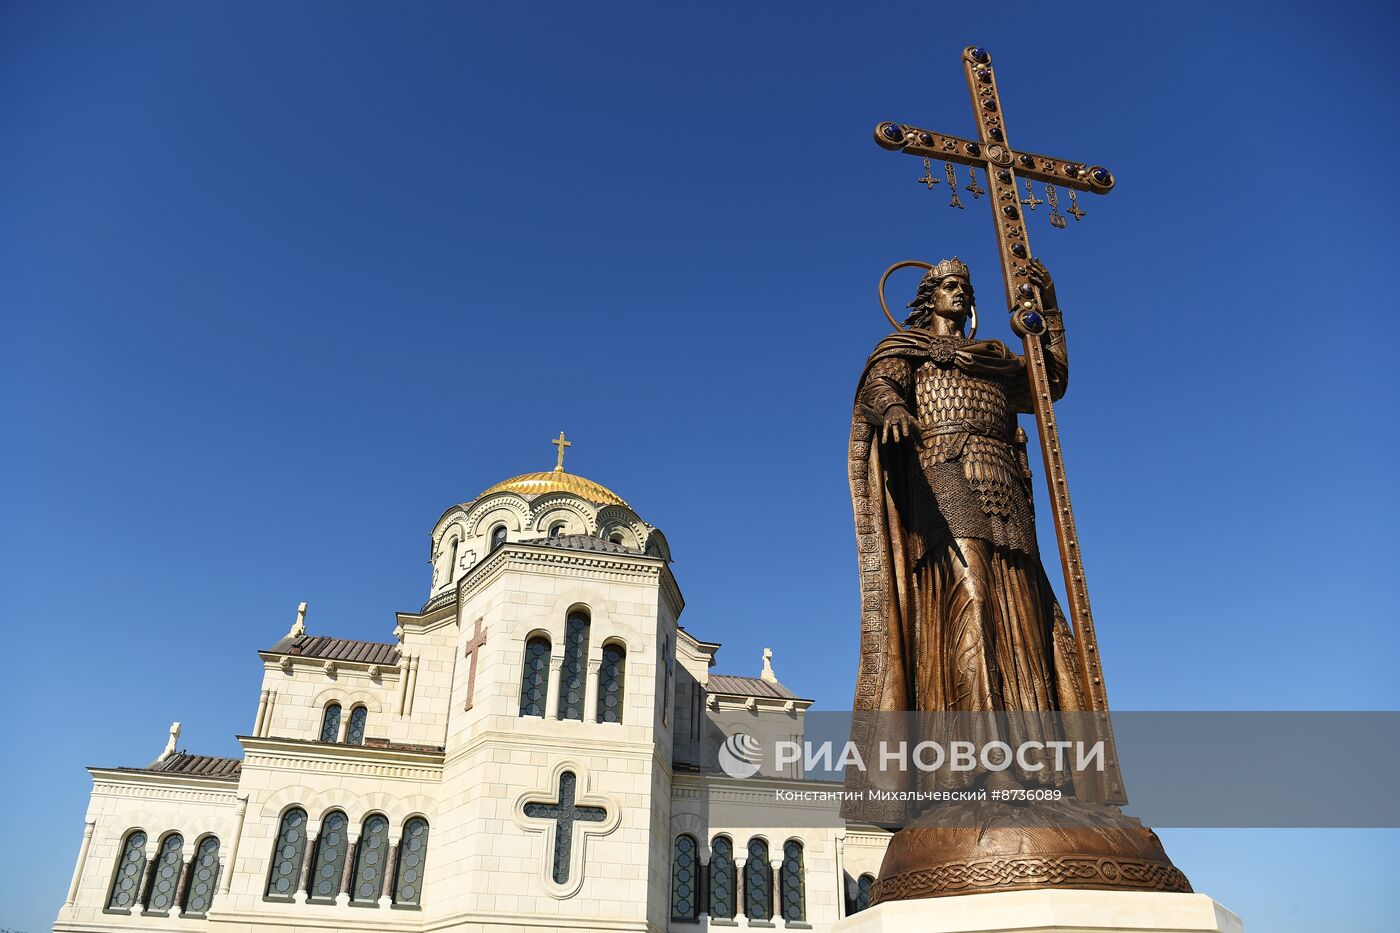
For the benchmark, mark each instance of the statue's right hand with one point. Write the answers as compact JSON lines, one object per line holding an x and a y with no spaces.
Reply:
{"x":899,"y":424}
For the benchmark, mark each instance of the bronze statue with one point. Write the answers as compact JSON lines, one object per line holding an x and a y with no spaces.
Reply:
{"x":941,"y":487}
{"x":958,"y":618}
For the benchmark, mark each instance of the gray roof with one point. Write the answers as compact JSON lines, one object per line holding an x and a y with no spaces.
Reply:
{"x":339,"y":649}
{"x":749,"y":687}
{"x":584,"y":543}
{"x":197,"y":765}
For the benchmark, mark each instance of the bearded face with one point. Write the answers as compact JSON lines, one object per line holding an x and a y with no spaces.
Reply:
{"x":952,"y":299}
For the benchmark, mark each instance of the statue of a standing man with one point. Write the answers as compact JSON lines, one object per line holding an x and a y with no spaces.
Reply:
{"x":957,"y":612}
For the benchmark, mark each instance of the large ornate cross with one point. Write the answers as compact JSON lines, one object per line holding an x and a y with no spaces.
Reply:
{"x":992,"y":152}
{"x":473,"y":649}
{"x":564,"y":814}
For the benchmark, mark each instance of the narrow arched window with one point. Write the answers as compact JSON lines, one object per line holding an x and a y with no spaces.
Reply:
{"x":684,"y":880}
{"x":285,"y":873}
{"x":571,"y":675}
{"x":413,"y":858}
{"x":865,"y":885}
{"x":610,"y":682}
{"x":534,"y":677}
{"x":330,"y":723}
{"x":329,"y":865}
{"x":370,"y":857}
{"x":204,"y":874}
{"x":723,"y":878}
{"x":758,"y":882}
{"x":498,"y":536}
{"x":165,"y":875}
{"x":615,"y":537}
{"x":355,"y":734}
{"x":793,"y":882}
{"x":556,"y":529}
{"x":131,"y":864}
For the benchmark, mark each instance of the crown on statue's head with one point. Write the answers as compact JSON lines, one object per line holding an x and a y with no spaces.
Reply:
{"x":947,"y":267}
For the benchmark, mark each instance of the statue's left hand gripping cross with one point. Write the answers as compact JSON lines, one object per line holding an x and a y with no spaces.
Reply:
{"x":472,"y":650}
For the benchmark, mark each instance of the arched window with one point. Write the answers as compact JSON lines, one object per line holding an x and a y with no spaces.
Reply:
{"x":534,"y":677}
{"x":166,"y":874}
{"x":413,"y":857}
{"x":793,"y":882}
{"x":610,"y":682}
{"x":572,"y":677}
{"x":498,"y":536}
{"x":723,"y":878}
{"x":556,"y":529}
{"x":615,"y":537}
{"x":864,"y":886}
{"x":329,"y":865}
{"x":203,"y":875}
{"x":758,"y":882}
{"x":130,"y":866}
{"x":370,"y":857}
{"x":330,"y":723}
{"x":684,"y":880}
{"x":285,"y":873}
{"x":355,"y":734}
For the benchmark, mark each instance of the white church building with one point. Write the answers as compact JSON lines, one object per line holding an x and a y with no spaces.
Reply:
{"x":536,"y":749}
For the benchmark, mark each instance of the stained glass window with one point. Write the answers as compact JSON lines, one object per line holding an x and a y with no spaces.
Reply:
{"x":571,"y":678}
{"x":130,"y":866}
{"x":370,"y":859}
{"x":723,"y":877}
{"x":166,"y":874}
{"x":355,"y":733}
{"x":329,"y":866}
{"x":413,"y":856}
{"x":758,"y":882}
{"x":610,"y":683}
{"x":793,"y":882}
{"x":564,"y":813}
{"x":203,"y":874}
{"x":330,"y":723}
{"x":864,"y":887}
{"x":684,"y":880}
{"x":534,"y":677}
{"x":286,"y":857}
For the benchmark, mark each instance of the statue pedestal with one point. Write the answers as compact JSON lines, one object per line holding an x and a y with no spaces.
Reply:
{"x":1047,"y":911}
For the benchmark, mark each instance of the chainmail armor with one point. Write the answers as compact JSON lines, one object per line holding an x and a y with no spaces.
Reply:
{"x":966,"y":448}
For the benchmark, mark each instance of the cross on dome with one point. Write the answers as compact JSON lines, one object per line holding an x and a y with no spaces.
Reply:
{"x":561,"y":444}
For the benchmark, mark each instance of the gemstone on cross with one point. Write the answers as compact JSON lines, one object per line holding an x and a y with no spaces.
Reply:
{"x":564,"y":814}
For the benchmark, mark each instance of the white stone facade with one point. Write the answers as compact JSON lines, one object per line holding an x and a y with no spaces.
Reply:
{"x":431,"y":740}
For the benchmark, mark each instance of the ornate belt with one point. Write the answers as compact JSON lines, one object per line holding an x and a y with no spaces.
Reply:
{"x":962,"y":426}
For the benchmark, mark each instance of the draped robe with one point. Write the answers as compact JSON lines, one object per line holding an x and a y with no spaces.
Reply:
{"x":957,"y":615}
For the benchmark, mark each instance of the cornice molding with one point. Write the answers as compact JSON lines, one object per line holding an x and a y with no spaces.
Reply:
{"x":117,"y":782}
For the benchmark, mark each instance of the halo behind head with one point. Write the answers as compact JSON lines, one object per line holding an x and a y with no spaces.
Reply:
{"x":945,"y":268}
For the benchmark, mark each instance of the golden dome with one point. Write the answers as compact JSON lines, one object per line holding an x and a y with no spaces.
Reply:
{"x":537,"y":484}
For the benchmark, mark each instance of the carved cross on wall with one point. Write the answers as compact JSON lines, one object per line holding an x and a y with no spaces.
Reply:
{"x":473,"y":649}
{"x":564,"y":814}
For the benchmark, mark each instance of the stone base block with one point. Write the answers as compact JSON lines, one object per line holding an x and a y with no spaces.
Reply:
{"x":1051,"y":911}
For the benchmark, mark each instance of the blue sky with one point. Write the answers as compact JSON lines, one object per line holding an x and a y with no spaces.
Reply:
{"x":280,"y":283}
